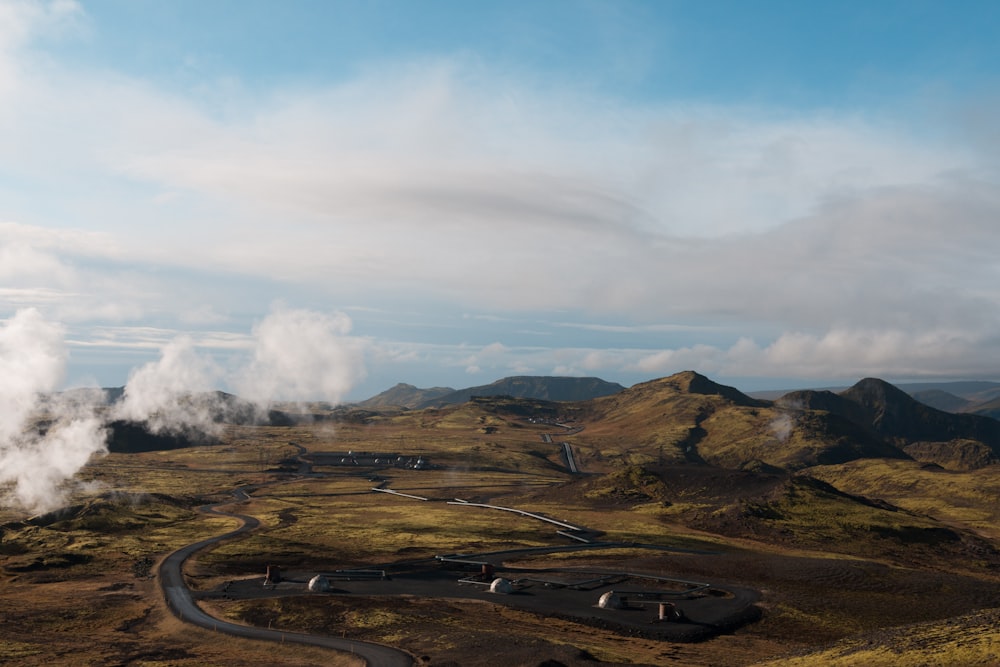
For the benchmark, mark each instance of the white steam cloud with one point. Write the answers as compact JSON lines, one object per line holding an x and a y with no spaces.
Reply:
{"x":302,"y":355}
{"x":782,"y":426}
{"x":296,"y":355}
{"x":160,"y":392}
{"x":46,"y":437}
{"x":42,"y":442}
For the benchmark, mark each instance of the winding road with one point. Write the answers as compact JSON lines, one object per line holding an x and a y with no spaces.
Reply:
{"x":570,"y":461}
{"x":181,"y":602}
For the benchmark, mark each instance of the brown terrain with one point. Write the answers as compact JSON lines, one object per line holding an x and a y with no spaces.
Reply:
{"x":852,"y":528}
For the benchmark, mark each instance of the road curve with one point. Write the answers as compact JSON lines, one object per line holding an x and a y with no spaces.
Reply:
{"x":182,"y":604}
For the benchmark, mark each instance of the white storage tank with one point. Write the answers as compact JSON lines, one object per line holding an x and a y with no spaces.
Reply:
{"x":501,"y":585}
{"x":319,"y":584}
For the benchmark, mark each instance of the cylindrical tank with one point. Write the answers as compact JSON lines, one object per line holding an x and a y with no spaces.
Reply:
{"x":670,"y":612}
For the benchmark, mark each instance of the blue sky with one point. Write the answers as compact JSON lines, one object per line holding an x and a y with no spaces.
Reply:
{"x":772,"y":193}
{"x":803,"y":54}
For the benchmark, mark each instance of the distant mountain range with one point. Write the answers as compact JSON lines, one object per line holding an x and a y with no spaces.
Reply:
{"x":689,"y":417}
{"x":546,"y":388}
{"x":959,"y":397}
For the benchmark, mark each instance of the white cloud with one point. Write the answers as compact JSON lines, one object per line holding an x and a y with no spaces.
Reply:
{"x":445,"y":181}
{"x":838,"y":353}
{"x":842,"y":353}
{"x":495,"y":357}
{"x":73,"y":242}
{"x":24,"y":264}
{"x":493,"y":349}
{"x":23,"y":20}
{"x":634,"y":328}
{"x":19,"y":297}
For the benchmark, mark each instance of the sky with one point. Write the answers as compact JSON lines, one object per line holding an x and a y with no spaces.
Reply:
{"x":776,"y":194}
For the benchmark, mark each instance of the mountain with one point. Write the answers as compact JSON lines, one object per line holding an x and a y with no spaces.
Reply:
{"x":825,"y":401}
{"x":404,"y":396}
{"x":684,"y":397}
{"x":988,"y":409}
{"x":879,"y":409}
{"x":689,"y":418}
{"x":941,"y":400}
{"x":775,"y":394}
{"x":975,"y":397}
{"x":972,"y":390}
{"x":546,"y":388}
{"x":953,"y":396}
{"x":894,"y":414}
{"x":695,"y":383}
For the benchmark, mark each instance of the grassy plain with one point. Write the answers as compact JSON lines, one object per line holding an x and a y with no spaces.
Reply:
{"x":965,"y":498}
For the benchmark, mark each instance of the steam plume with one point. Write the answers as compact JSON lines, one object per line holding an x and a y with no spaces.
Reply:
{"x":161,"y":393}
{"x":37,"y":460}
{"x":296,"y":355}
{"x":784,"y":423}
{"x":302,"y":355}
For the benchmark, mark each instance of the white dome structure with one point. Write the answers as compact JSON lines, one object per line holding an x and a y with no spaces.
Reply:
{"x":319,"y":584}
{"x":501,"y":585}
{"x":611,"y":600}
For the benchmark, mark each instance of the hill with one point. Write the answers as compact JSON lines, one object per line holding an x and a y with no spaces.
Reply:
{"x":941,"y":400}
{"x":689,"y":418}
{"x":975,"y":396}
{"x":881,"y":410}
{"x":548,"y":388}
{"x":404,"y":396}
{"x":895,"y":414}
{"x":975,"y":391}
{"x":987,"y":409}
{"x":132,"y":437}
